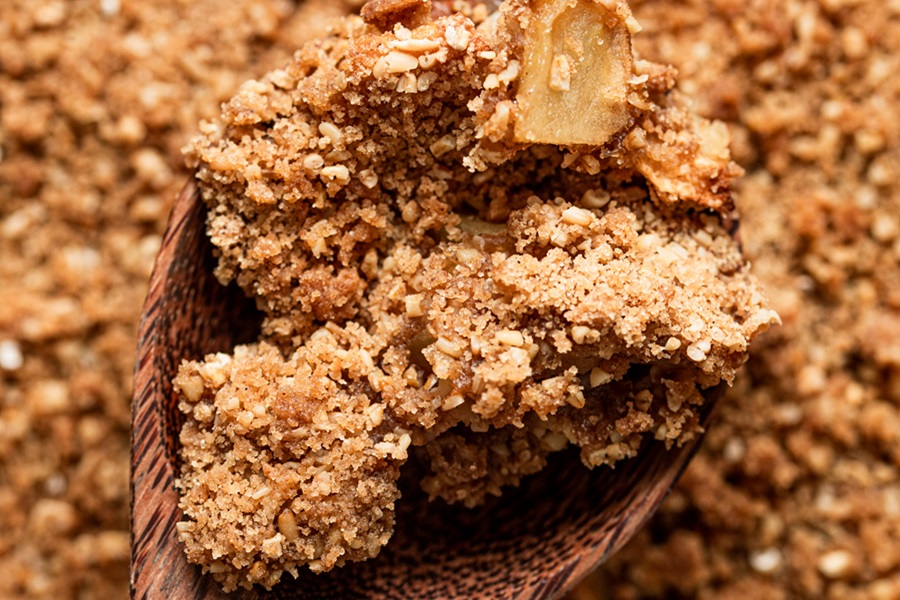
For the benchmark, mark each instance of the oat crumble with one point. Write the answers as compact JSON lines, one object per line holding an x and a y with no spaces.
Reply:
{"x":441,"y":278}
{"x":801,"y":469}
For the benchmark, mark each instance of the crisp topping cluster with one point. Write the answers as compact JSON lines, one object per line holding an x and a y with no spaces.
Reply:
{"x":477,"y":238}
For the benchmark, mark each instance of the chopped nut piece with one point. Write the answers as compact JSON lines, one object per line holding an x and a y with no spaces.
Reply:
{"x":287,"y":525}
{"x":336,"y":172}
{"x":414,"y":305}
{"x":577,"y":216}
{"x":408,"y":84}
{"x":599,"y":377}
{"x":510,"y":338}
{"x":580,"y":333}
{"x":369,"y":178}
{"x":451,"y":402}
{"x":425,"y":80}
{"x":697,"y":351}
{"x":457,"y":38}
{"x":510,"y":73}
{"x":673,"y":344}
{"x":313,"y":162}
{"x":415,"y":46}
{"x":376,"y":414}
{"x":449,"y":348}
{"x":576,"y":400}
{"x":330,"y":131}
{"x":443,"y":145}
{"x":394,"y":62}
{"x":595,"y":198}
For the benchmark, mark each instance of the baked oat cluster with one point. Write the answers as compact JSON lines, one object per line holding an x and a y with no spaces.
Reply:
{"x":477,"y":235}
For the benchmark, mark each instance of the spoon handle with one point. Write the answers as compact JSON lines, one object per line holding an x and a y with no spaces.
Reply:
{"x":180,"y":318}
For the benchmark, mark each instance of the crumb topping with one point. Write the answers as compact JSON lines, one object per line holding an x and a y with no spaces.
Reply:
{"x":436,"y":284}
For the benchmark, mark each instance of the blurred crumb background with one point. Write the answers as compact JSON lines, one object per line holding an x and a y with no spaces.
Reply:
{"x":796,"y":493}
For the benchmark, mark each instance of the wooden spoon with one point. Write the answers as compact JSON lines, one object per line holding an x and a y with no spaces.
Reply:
{"x":535,"y":542}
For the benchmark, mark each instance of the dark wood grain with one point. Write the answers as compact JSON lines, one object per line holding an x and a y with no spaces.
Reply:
{"x":535,"y":542}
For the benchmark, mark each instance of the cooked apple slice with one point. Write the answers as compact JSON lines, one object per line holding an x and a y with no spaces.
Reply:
{"x":577,"y":63}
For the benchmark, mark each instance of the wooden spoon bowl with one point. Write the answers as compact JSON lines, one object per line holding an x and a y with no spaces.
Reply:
{"x":537,"y":541}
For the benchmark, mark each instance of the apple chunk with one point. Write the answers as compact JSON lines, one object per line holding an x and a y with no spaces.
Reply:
{"x":577,"y":63}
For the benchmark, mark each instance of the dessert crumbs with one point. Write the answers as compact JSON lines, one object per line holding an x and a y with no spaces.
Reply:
{"x":794,"y":494}
{"x":437,"y":282}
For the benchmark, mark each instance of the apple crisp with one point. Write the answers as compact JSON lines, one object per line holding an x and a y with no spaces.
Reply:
{"x":476,"y":238}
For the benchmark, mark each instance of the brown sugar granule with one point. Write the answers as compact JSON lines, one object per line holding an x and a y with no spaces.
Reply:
{"x":440,"y":275}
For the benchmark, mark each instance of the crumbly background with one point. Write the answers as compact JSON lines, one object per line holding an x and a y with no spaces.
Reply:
{"x":795,"y":493}
{"x":96,"y":100}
